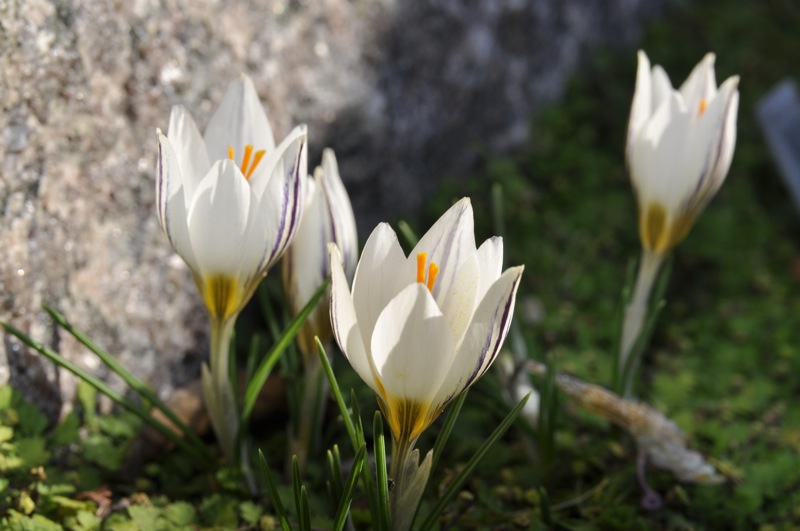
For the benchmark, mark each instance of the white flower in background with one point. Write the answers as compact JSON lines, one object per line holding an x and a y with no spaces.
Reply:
{"x":679,"y":148}
{"x":327,"y":218}
{"x":230,"y":203}
{"x":420,"y":330}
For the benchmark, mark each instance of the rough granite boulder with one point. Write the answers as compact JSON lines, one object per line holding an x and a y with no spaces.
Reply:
{"x":405,"y":92}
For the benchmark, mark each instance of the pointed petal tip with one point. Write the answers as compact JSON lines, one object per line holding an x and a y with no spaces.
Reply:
{"x":333,"y":250}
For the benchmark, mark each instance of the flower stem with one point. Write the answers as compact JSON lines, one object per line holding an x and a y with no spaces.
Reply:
{"x":220,"y":398}
{"x":410,"y":479}
{"x":307,"y":431}
{"x":636,"y":312}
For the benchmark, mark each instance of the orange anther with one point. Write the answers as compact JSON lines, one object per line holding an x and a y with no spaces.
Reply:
{"x":230,"y":152}
{"x":248,"y":152}
{"x":433,"y":270}
{"x":421,"y":259}
{"x":256,"y":160}
{"x":703,"y":105}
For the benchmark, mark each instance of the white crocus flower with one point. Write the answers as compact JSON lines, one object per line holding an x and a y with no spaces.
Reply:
{"x":679,"y":148}
{"x":327,"y":218}
{"x":230,"y":203}
{"x":421,"y":329}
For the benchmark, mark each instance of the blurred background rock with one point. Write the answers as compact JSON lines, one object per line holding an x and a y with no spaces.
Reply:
{"x":406,"y":93}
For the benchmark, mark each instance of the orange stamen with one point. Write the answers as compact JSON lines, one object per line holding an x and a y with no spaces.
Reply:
{"x":248,"y":152}
{"x":433,"y":270}
{"x":256,"y":160}
{"x":703,"y":105}
{"x":421,"y":259}
{"x":230,"y":152}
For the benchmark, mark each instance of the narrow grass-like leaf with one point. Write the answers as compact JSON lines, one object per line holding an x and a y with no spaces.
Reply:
{"x":657,"y":304}
{"x":447,"y":428}
{"x":265,"y":367}
{"x":548,"y":412}
{"x":272,"y":488}
{"x":459,"y":481}
{"x":379,"y":449}
{"x":298,"y":487}
{"x":407,"y":232}
{"x":334,"y":475}
{"x":305,"y":512}
{"x":337,"y":394}
{"x":134,"y":383}
{"x":346,"y":496}
{"x":256,"y":346}
{"x":55,"y":357}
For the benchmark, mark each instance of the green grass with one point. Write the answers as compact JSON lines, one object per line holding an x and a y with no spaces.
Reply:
{"x":723,"y":362}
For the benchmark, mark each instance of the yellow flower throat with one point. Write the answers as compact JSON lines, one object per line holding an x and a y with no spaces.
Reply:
{"x":433,"y":271}
{"x":246,"y":166}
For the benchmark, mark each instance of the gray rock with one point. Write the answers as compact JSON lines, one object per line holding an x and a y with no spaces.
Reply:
{"x":405,"y":92}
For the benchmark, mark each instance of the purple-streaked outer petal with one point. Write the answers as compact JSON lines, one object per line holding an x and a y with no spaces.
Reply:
{"x":171,"y":201}
{"x":281,"y":193}
{"x":345,"y":326}
{"x":483,"y":339}
{"x":342,"y":219}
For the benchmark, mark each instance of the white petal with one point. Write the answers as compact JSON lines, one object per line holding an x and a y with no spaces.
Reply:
{"x":171,"y":201}
{"x":656,"y":153}
{"x":219,"y":222}
{"x":412,"y":346}
{"x":641,"y":108}
{"x":483,"y":340}
{"x":375,"y":282}
{"x":281,"y":189}
{"x":459,"y":302}
{"x":490,"y":259}
{"x":307,"y":261}
{"x":729,"y":96}
{"x":341,"y":212}
{"x":448,"y":243}
{"x":240,"y":120}
{"x":189,"y":148}
{"x":700,"y":85}
{"x":345,"y":326}
{"x":662,"y":88}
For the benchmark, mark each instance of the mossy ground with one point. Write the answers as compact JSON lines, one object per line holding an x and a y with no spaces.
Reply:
{"x":723,"y":362}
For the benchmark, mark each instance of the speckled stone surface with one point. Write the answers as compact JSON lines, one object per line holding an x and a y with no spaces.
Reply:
{"x":405,"y":92}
